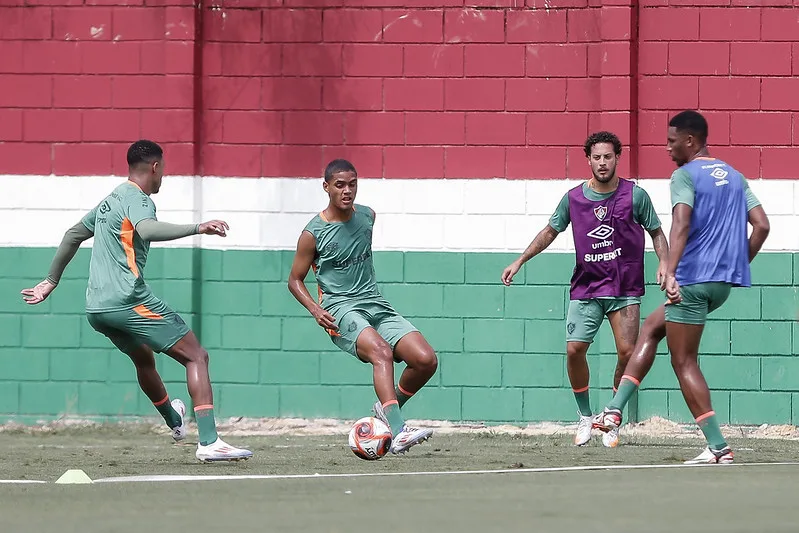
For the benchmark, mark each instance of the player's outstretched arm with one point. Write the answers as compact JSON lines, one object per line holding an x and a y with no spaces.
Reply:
{"x":66,"y":251}
{"x":541,"y":242}
{"x":760,"y":229}
{"x":152,"y":230}
{"x":661,"y":246}
{"x":303,"y":258}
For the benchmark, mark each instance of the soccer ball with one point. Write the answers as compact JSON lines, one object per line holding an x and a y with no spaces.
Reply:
{"x":370,"y":438}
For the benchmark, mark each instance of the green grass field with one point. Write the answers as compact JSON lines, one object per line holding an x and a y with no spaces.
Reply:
{"x":456,"y":482}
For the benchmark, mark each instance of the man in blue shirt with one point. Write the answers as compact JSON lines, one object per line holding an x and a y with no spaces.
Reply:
{"x":709,"y":254}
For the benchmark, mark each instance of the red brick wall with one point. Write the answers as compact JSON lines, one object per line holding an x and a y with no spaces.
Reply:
{"x":406,"y":88}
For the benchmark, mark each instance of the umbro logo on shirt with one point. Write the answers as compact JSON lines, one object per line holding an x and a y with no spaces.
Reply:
{"x":721,"y":176}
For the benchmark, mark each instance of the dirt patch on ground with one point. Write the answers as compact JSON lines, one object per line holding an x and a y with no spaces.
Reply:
{"x":653,"y":427}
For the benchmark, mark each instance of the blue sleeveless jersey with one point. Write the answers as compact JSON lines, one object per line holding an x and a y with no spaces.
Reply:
{"x":718,"y":244}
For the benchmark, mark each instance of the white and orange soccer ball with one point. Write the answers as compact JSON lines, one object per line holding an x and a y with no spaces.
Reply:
{"x":370,"y":438}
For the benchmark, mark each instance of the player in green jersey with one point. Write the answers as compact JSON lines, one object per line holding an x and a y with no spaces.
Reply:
{"x":121,"y":306}
{"x":337,"y":244}
{"x":607,"y":214}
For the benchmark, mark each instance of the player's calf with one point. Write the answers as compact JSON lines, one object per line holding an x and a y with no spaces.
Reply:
{"x":422,"y":363}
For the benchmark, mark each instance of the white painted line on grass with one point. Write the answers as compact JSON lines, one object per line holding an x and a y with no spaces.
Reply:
{"x":165,"y":478}
{"x":19,"y":481}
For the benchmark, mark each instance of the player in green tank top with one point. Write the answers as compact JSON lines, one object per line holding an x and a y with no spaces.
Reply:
{"x":337,"y":244}
{"x":121,"y":306}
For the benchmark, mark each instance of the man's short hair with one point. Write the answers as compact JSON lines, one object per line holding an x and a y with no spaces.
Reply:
{"x":602,"y":137}
{"x":338,"y":165}
{"x":691,"y":122}
{"x":144,"y":151}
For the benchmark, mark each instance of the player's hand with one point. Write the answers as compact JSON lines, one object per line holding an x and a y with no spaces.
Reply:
{"x":324,"y":319}
{"x":214,"y":227}
{"x":673,"y":290}
{"x":661,"y":275}
{"x":510,"y":271}
{"x":37,"y":294}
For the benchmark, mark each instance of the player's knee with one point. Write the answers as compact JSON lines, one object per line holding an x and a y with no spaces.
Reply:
{"x":625,"y":353}
{"x":199,"y":356}
{"x":575,"y":351}
{"x":428,"y":362}
{"x":681,"y":364}
{"x":381,"y":354}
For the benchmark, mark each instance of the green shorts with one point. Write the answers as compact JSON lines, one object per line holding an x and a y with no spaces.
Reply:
{"x":698,"y":301}
{"x":154,"y":324}
{"x":585,"y":316}
{"x":355,"y":316}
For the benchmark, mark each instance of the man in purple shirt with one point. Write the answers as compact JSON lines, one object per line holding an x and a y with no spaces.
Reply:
{"x":608,"y":217}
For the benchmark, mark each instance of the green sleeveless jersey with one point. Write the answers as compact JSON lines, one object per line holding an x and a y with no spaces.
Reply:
{"x":118,"y":254}
{"x":343,"y":262}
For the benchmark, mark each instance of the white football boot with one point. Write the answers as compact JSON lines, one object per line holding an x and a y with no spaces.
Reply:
{"x":584,"y":427}
{"x":219,"y":450}
{"x":409,"y":437}
{"x":611,"y":438}
{"x":712,"y":457}
{"x":607,"y":420}
{"x":179,"y":432}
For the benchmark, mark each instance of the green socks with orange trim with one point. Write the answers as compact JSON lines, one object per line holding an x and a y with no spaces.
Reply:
{"x":171,"y":417}
{"x":583,"y":401}
{"x":395,"y":420}
{"x":402,"y":396}
{"x":206,"y":424}
{"x":709,"y":425}
{"x":627,"y":386}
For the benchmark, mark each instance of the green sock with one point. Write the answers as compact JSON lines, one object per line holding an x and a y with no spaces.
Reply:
{"x":395,"y":420}
{"x":710,"y":427}
{"x":627,"y":386}
{"x":206,"y":425}
{"x":583,"y":402}
{"x":171,"y":417}
{"x":401,"y":396}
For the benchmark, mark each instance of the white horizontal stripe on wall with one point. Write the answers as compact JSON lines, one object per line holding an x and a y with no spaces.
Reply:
{"x":494,"y":215}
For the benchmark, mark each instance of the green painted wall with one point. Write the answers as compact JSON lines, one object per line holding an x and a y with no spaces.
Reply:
{"x":500,"y":348}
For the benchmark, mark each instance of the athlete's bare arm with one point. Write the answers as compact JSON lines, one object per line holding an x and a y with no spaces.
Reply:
{"x":541,"y":242}
{"x":303,"y":259}
{"x":661,"y":246}
{"x":680,"y":225}
{"x":70,"y":243}
{"x":760,"y":229}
